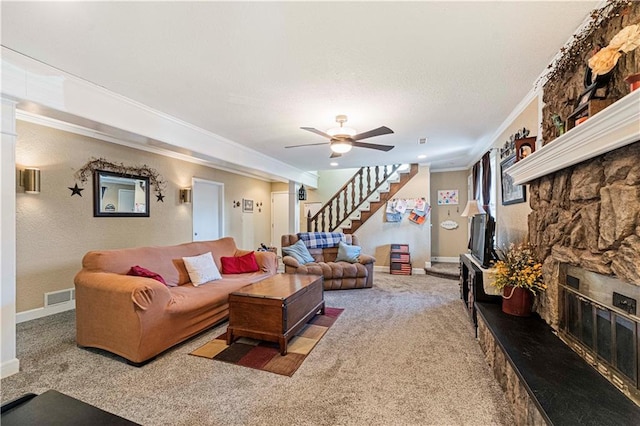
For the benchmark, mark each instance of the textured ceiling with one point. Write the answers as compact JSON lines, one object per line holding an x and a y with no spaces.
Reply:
{"x":255,"y":73}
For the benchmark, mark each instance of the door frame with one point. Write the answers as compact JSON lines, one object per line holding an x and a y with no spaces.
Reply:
{"x":277,"y":240}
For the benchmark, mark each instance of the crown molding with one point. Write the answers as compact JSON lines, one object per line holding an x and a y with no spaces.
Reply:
{"x":47,"y":91}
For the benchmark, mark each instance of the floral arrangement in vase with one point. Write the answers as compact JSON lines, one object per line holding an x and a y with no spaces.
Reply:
{"x":519,"y":276}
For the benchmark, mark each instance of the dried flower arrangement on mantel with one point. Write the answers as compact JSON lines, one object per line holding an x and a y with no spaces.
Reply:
{"x":572,"y":54}
{"x":85,"y":172}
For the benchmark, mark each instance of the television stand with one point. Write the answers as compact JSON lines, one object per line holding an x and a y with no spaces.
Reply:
{"x":473,"y":278}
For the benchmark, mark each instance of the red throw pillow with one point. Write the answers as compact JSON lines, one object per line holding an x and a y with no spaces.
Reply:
{"x":139,"y":271}
{"x":239,"y":264}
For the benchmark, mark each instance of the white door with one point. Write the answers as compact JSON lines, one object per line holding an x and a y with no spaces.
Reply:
{"x":126,"y":200}
{"x":279,"y":217}
{"x":208,"y":200}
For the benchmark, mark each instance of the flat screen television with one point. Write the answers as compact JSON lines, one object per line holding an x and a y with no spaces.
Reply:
{"x":482,"y":233}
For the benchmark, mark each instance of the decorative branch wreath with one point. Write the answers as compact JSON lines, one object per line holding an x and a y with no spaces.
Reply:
{"x":85,"y":172}
{"x":571,"y":55}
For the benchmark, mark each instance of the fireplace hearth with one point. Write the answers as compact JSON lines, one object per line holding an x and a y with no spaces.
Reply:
{"x":599,"y":321}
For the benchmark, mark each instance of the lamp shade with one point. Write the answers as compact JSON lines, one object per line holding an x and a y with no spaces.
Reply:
{"x":185,"y":195}
{"x":31,"y":180}
{"x":473,"y":208}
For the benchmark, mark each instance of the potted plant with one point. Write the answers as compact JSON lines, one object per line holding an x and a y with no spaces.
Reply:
{"x":519,"y":275}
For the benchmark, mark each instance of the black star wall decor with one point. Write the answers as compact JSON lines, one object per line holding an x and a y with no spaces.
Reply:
{"x":75,"y":190}
{"x":160,"y":198}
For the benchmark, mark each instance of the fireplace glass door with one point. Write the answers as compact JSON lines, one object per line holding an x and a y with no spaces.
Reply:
{"x":605,"y":335}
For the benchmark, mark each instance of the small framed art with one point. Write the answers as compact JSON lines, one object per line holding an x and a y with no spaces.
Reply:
{"x":524,"y":147}
{"x":511,"y":193}
{"x":247,"y":206}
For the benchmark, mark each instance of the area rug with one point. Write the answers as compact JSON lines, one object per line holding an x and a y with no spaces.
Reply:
{"x":266,"y":356}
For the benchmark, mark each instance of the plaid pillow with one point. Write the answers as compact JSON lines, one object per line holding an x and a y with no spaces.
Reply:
{"x":321,"y":239}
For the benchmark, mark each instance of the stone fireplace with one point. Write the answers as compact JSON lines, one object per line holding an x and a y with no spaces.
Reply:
{"x":588,"y":215}
{"x":585,"y":224}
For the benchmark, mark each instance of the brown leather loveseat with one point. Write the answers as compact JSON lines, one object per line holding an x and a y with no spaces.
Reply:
{"x":338,"y":275}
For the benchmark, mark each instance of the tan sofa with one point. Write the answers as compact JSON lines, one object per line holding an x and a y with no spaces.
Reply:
{"x":337,"y":275}
{"x":138,"y":318}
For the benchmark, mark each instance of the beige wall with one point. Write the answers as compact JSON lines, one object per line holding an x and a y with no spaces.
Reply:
{"x":511,"y":225}
{"x":54,"y":230}
{"x":449,"y":243}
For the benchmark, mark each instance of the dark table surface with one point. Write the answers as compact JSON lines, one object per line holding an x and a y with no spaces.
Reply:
{"x":53,"y":408}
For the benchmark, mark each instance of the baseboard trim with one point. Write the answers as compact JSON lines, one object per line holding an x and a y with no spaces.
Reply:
{"x":9,"y":368}
{"x":444,"y":259}
{"x":45,"y":312}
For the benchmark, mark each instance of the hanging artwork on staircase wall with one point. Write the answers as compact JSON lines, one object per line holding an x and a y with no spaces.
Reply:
{"x":418,"y":209}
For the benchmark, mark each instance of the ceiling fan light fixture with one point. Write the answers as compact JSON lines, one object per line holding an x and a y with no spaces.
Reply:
{"x":342,"y":131}
{"x":340,"y":147}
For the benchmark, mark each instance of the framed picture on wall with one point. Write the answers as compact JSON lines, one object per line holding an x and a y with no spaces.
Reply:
{"x":247,"y":206}
{"x":511,"y":194}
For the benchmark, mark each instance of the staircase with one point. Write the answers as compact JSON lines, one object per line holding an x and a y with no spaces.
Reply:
{"x":365,"y":193}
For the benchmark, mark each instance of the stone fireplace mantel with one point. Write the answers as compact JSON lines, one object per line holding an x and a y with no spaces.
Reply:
{"x":614,"y":127}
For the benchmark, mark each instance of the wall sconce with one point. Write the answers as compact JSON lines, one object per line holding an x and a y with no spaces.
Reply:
{"x":235,"y":204}
{"x":259,"y":206}
{"x":185,"y":196}
{"x":302,"y":193}
{"x":30,"y":180}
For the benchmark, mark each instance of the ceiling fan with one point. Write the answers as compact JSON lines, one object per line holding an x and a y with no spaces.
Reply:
{"x":342,"y":139}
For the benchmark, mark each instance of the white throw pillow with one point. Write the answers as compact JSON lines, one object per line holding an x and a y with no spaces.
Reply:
{"x":201,"y":269}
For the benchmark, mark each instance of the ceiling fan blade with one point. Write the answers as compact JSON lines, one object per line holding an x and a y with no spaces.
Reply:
{"x":373,"y":146}
{"x":335,"y":155}
{"x":308,"y":144}
{"x":316,"y":131}
{"x":371,"y":133}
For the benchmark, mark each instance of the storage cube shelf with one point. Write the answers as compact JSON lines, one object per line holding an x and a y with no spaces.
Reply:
{"x":400,"y":260}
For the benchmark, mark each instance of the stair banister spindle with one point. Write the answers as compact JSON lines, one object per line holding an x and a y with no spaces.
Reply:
{"x":361,"y":187}
{"x":353,"y":196}
{"x":368,"y":180}
{"x":377,"y":173}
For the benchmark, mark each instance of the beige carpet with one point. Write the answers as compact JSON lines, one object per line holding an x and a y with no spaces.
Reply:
{"x":402,"y":353}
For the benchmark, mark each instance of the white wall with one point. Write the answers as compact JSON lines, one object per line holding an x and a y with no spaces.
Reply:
{"x":376,"y":235}
{"x":9,"y":364}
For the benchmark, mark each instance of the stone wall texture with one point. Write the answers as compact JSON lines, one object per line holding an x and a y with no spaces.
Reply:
{"x":561,"y":93}
{"x":588,"y":215}
{"x":522,"y":405}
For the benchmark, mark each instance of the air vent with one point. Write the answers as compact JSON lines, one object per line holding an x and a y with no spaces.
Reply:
{"x":61,"y":296}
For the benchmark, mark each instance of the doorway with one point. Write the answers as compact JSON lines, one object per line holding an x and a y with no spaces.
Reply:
{"x":207,"y":205}
{"x":279,"y":217}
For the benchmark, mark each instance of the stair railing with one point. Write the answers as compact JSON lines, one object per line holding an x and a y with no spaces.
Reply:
{"x":350,"y":197}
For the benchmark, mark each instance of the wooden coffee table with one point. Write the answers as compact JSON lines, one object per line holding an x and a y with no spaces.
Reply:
{"x":275,"y":308}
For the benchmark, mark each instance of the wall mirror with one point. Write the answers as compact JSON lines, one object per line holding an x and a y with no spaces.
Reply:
{"x":117,"y":195}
